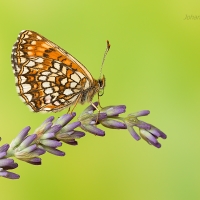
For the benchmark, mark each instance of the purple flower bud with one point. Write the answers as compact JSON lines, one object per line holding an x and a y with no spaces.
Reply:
{"x":2,"y":154}
{"x":54,"y":129}
{"x":133,"y":133}
{"x":6,"y":162}
{"x":77,"y":134}
{"x":93,"y":129}
{"x":54,"y":151}
{"x":114,"y":110}
{"x":50,"y":119}
{"x":114,"y":124}
{"x":51,"y":143}
{"x":35,"y":161}
{"x":156,"y":132}
{"x":11,"y":166}
{"x":151,"y":136}
{"x":4,"y":148}
{"x":43,"y":128}
{"x":47,"y":136}
{"x":20,"y":137}
{"x":27,"y":141}
{"x":143,"y":125}
{"x":9,"y":175}
{"x":28,"y":149}
{"x":140,"y":113}
{"x":38,"y":152}
{"x":71,"y":127}
{"x":65,"y":119}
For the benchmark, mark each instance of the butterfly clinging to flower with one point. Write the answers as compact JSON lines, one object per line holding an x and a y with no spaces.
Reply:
{"x":48,"y":78}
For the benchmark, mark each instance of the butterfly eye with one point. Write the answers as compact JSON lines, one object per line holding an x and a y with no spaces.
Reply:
{"x":101,"y":82}
{"x":101,"y":85}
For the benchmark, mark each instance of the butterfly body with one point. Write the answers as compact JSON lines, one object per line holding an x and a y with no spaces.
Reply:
{"x":47,"y":77}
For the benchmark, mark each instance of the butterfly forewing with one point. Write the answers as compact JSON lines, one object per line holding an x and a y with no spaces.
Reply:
{"x":47,"y":77}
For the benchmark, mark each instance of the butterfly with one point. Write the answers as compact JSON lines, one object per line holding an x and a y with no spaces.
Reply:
{"x":48,"y":78}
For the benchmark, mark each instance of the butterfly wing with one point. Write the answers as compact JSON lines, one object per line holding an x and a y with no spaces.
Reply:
{"x":47,"y":77}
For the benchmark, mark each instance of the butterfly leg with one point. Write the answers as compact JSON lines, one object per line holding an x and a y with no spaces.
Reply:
{"x":77,"y":100}
{"x":68,"y":110}
{"x":97,"y":110}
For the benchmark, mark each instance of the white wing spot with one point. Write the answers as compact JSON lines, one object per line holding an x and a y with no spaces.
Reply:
{"x":33,"y":42}
{"x":30,"y":64}
{"x":56,"y":88}
{"x":30,"y":53}
{"x":46,"y":73}
{"x":68,"y":92}
{"x":56,"y":103}
{"x":26,"y":36}
{"x":57,"y":66}
{"x":25,"y":70}
{"x":28,"y":96}
{"x":23,"y":42}
{"x":17,"y":68}
{"x":75,"y":77}
{"x":64,"y":81}
{"x":80,"y":74}
{"x":52,"y":78}
{"x":48,"y":99}
{"x":26,"y":87}
{"x":48,"y":91}
{"x":38,"y":37}
{"x":54,"y":70}
{"x":23,"y":60}
{"x":42,"y":78}
{"x":64,"y":70}
{"x":46,"y":84}
{"x":39,"y":60}
{"x":23,"y":79}
{"x":30,"y":48}
{"x":73,"y":84}
{"x":46,"y":109}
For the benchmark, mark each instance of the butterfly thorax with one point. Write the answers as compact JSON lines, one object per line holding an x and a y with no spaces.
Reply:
{"x":97,"y":87}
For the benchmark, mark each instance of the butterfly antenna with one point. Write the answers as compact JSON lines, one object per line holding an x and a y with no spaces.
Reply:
{"x":104,"y":57}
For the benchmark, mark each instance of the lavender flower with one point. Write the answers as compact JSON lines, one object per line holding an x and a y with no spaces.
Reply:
{"x":89,"y":120}
{"x":23,"y":148}
{"x":50,"y":135}
{"x":6,"y":164}
{"x":151,"y":135}
{"x":112,"y":120}
{"x":147,"y":131}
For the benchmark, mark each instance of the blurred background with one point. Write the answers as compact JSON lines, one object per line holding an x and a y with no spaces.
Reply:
{"x":153,"y":64}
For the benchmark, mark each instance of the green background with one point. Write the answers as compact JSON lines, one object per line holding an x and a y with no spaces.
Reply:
{"x":153,"y":64}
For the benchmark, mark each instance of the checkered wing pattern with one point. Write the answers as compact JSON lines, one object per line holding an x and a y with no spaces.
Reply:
{"x":47,"y":77}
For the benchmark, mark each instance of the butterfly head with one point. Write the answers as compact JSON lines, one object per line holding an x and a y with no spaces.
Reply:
{"x":101,"y":84}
